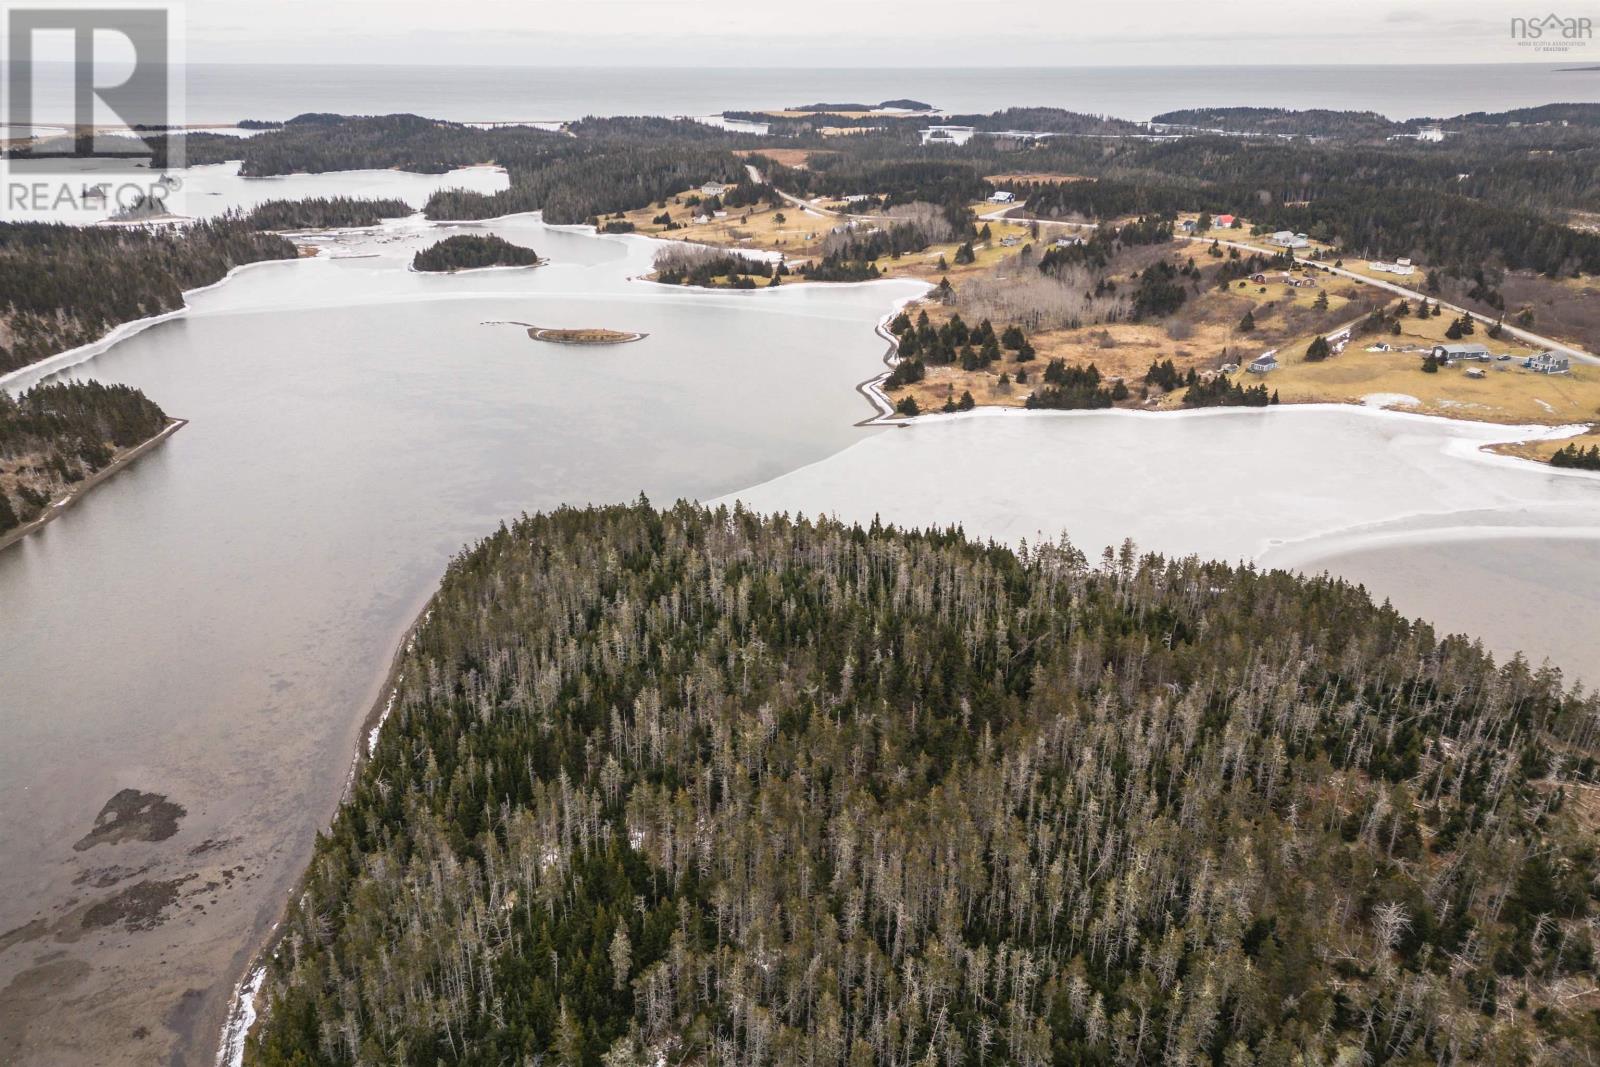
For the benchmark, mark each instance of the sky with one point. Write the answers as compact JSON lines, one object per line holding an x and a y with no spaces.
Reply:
{"x":907,"y":33}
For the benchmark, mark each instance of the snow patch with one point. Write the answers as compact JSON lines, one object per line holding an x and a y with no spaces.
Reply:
{"x":241,"y":1018}
{"x":1389,"y":400}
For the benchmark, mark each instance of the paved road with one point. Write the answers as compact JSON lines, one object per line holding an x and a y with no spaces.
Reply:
{"x":1526,"y":336}
{"x":755,"y":176}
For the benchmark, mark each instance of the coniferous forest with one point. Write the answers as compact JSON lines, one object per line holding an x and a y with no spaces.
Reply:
{"x":53,"y":436}
{"x":468,"y":251}
{"x":326,"y":212}
{"x":64,"y":286}
{"x":1578,"y":457}
{"x":698,"y":787}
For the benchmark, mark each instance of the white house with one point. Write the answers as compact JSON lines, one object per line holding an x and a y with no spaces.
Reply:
{"x":1548,"y":363}
{"x":1003,"y":196}
{"x":1401,"y":267}
{"x":713,"y":189}
{"x":1267,"y":361}
{"x":1289,"y":239}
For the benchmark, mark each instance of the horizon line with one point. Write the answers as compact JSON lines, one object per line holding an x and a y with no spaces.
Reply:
{"x":1554,"y":67}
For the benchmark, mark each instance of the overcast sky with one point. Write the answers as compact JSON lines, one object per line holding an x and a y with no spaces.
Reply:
{"x":860,"y":32}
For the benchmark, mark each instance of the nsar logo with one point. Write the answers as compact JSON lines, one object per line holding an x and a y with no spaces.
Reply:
{"x":1552,"y":33}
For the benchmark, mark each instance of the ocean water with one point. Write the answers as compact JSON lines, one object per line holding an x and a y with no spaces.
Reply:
{"x":227,"y":93}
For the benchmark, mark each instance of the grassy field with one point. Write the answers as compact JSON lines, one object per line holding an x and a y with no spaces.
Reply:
{"x":789,"y":157}
{"x":791,"y":230}
{"x":1207,"y":327}
{"x":1202,"y":336}
{"x":1543,"y":450}
{"x":1507,"y":393}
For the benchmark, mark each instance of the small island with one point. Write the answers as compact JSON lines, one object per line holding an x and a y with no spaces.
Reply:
{"x":58,"y":440}
{"x":472,"y":251}
{"x":593,"y":335}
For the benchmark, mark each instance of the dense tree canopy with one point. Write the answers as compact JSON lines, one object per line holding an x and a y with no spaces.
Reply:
{"x":54,"y":435}
{"x":467,"y":251}
{"x":708,"y":788}
{"x":64,"y":286}
{"x":325,"y":212}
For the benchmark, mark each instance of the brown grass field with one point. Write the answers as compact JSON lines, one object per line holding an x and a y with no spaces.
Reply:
{"x":1203,"y":335}
{"x":1543,"y":450}
{"x":789,"y":157}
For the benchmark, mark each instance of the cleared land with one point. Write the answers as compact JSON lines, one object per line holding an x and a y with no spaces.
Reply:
{"x":789,"y":157}
{"x":1204,"y":335}
{"x":1507,"y":393}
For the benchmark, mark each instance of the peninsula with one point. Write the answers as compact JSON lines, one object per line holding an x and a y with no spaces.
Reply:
{"x":56,"y":441}
{"x":932,"y":731}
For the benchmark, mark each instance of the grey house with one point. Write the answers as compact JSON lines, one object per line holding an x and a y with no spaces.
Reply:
{"x":1458,"y":353}
{"x":1548,"y":363}
{"x":1267,"y":361}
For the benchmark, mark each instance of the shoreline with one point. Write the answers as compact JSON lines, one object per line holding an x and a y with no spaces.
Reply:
{"x":872,"y":389}
{"x":244,"y":1005}
{"x":78,"y":491}
{"x":72,"y":357}
{"x":1488,"y":451}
